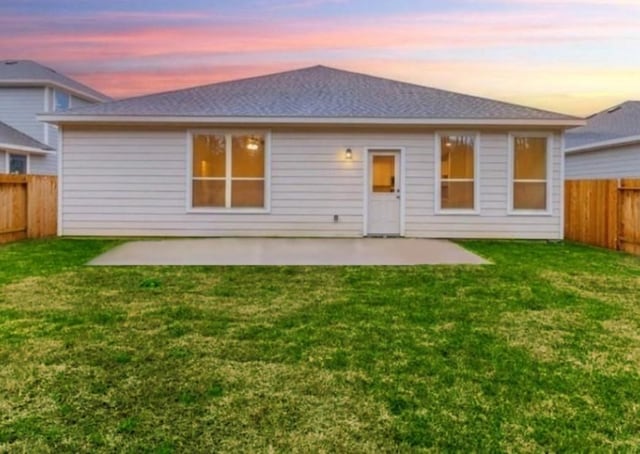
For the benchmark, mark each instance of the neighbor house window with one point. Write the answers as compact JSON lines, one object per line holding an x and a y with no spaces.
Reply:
{"x":18,"y":164}
{"x":456,"y":155}
{"x":530,"y":179}
{"x":228,"y":171}
{"x":61,"y":101}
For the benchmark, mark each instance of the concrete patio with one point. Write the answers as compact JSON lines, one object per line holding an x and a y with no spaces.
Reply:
{"x":289,"y":251}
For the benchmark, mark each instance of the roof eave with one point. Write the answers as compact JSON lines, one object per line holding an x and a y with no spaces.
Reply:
{"x":596,"y":146}
{"x":25,"y":149}
{"x":355,"y":121}
{"x":50,"y":83}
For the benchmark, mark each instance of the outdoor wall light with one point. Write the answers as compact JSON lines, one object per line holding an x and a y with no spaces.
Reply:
{"x":348,"y":154}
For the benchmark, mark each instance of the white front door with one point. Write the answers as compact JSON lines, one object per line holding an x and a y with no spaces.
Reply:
{"x":383,"y":216}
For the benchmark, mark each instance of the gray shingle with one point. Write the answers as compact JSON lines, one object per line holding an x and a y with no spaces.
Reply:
{"x":319,"y":92}
{"x":12,"y":136}
{"x":617,"y":122}
{"x":21,"y":70}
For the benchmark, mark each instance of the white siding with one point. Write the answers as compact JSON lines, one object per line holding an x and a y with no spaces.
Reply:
{"x":43,"y":164}
{"x":620,"y":162}
{"x":133,"y":182}
{"x":18,"y":108}
{"x":3,"y":162}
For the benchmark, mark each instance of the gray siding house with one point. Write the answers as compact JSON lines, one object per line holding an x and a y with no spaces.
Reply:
{"x":27,"y":89}
{"x":608,"y":146}
{"x":313,"y":152}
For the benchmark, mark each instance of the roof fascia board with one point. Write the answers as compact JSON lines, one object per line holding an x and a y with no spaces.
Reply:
{"x":135,"y":119}
{"x":13,"y":147}
{"x":630,"y":140}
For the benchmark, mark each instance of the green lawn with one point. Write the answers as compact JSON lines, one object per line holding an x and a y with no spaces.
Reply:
{"x":538,"y":352}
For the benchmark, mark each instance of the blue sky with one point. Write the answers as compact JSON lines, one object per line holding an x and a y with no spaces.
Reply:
{"x":575,"y":56}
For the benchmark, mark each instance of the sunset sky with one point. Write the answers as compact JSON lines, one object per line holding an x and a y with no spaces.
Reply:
{"x":573,"y":56}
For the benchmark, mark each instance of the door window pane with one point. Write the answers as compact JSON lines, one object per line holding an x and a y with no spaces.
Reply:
{"x":209,"y":193}
{"x":383,"y":177}
{"x":17,"y":164}
{"x":209,"y":156}
{"x":247,"y":157}
{"x":247,"y":193}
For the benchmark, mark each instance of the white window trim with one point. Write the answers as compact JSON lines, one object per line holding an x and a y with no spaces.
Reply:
{"x":476,"y":174}
{"x":231,"y":210}
{"x":7,"y":160}
{"x":548,"y":211}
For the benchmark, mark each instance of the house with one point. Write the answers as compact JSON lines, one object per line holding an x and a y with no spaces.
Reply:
{"x":608,"y":146}
{"x":311,"y":152}
{"x":26,"y":89}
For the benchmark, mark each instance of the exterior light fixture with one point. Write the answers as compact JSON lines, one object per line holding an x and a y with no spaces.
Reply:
{"x":348,"y":154}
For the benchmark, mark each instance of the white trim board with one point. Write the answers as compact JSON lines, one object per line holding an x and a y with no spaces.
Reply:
{"x":281,"y":121}
{"x":595,"y":146}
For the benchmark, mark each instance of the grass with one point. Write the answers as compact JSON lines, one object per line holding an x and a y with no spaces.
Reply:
{"x":538,"y":352}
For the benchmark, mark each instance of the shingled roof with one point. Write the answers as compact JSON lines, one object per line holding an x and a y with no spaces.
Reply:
{"x":616,"y":124}
{"x":16,"y":72}
{"x":317,"y":92}
{"x":12,"y":139}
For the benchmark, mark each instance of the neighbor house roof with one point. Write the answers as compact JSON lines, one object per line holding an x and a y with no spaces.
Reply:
{"x":13,"y":140}
{"x":27,"y":72}
{"x":618,"y":125}
{"x":314,"y":95}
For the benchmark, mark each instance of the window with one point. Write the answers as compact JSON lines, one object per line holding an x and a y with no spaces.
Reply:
{"x":456,"y":161}
{"x":18,"y":164}
{"x":228,"y":171}
{"x":530,"y":179}
{"x":61,"y":101}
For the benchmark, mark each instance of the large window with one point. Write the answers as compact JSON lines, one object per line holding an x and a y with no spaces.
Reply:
{"x":457,"y":173}
{"x":228,"y":171}
{"x":530,"y":179}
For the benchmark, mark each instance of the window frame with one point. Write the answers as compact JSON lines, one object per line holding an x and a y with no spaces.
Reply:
{"x":228,"y":133}
{"x":548,"y":211}
{"x":8,"y":155}
{"x":438,"y":210}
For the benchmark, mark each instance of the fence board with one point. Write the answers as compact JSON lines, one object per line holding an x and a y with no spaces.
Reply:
{"x":604,"y":213}
{"x":630,"y":216}
{"x":28,"y":207}
{"x":591,"y":213}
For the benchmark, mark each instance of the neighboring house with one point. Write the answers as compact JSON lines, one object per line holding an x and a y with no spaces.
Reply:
{"x":608,"y":146}
{"x":312,"y":152}
{"x":27,"y":88}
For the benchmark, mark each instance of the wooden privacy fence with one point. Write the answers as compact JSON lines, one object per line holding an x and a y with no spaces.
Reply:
{"x":28,"y":207}
{"x":604,"y":213}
